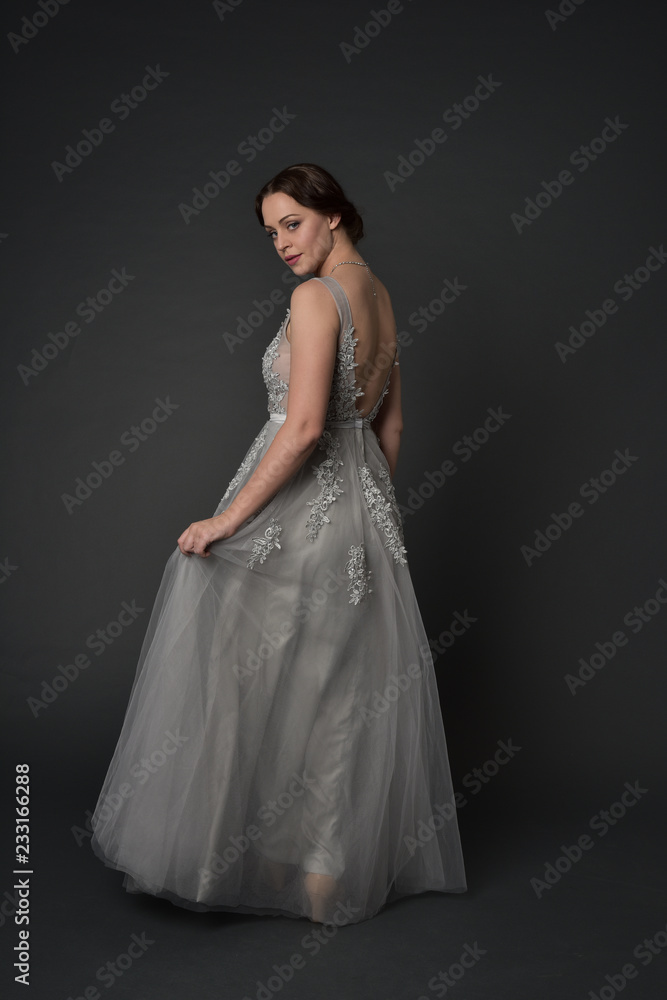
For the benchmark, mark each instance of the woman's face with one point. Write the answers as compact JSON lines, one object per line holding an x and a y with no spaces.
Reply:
{"x":303,"y":238}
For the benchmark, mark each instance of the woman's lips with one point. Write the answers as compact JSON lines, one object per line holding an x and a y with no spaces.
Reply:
{"x":293,"y":260}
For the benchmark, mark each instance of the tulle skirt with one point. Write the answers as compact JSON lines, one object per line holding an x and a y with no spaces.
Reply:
{"x":283,"y":750}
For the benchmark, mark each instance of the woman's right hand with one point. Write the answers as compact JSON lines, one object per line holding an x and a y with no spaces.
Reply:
{"x":200,"y":534}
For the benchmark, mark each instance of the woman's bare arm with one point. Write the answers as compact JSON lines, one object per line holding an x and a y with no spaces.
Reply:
{"x":313,"y":342}
{"x":314,"y":326}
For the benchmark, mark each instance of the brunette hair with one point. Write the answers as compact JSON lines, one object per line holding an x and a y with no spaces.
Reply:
{"x":314,"y":187}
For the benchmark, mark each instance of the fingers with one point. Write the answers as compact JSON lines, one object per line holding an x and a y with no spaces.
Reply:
{"x":189,"y":548}
{"x":185,"y":544}
{"x":195,"y":541}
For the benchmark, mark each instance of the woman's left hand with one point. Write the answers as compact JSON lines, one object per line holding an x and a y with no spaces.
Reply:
{"x":196,"y":539}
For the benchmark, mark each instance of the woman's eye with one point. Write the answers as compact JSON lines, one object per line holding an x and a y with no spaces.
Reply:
{"x":273,"y":232}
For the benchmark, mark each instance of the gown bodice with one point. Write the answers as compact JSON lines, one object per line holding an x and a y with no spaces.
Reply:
{"x":344,"y":388}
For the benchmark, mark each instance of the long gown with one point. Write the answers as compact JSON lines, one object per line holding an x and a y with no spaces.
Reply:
{"x":284,"y":716}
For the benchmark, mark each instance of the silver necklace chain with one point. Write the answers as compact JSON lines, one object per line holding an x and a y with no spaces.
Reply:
{"x":361,"y":264}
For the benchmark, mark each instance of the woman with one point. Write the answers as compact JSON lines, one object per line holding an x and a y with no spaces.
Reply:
{"x":283,"y":750}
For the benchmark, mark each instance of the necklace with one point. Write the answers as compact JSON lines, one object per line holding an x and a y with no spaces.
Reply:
{"x":361,"y":264}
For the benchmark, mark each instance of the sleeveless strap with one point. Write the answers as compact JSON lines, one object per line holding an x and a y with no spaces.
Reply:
{"x":341,"y":300}
{"x":345,"y":316}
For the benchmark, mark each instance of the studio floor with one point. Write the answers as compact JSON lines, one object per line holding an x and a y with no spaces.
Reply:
{"x":537,"y":922}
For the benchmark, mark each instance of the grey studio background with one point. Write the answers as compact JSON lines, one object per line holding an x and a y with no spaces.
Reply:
{"x":509,"y":161}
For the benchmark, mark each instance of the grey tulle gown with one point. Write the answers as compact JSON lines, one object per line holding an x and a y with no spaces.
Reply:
{"x":284,"y":716}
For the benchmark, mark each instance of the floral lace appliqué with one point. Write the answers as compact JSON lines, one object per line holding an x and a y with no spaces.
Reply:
{"x":381,"y":510}
{"x":275,"y":386}
{"x":376,"y":409}
{"x":359,"y":577}
{"x":254,"y":451}
{"x":391,"y":497}
{"x":265,"y":543}
{"x":328,"y":480}
{"x":343,"y":388}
